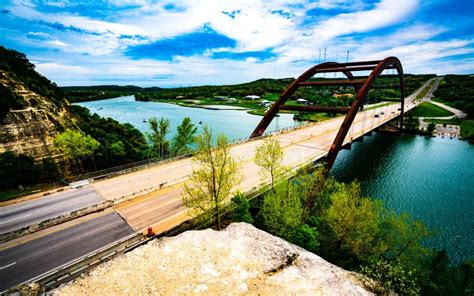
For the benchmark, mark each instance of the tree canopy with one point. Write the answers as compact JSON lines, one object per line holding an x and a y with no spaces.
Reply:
{"x":184,"y":137}
{"x":76,"y":145}
{"x":213,"y":179}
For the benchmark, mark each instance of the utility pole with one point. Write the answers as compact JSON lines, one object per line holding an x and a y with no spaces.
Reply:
{"x":324,"y":60}
{"x":347,"y":58}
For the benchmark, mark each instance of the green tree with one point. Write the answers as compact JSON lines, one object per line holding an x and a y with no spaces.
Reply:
{"x":119,"y":143}
{"x":447,"y":279}
{"x":431,"y":127}
{"x":306,"y":237}
{"x":355,"y":222}
{"x":75,"y":145}
{"x":411,"y":123}
{"x":313,"y":190}
{"x":17,"y":169}
{"x":242,"y":204}
{"x":118,"y":149}
{"x":269,"y":156}
{"x":159,"y":130}
{"x":211,"y":183}
{"x":392,"y":276}
{"x":361,"y":229}
{"x":184,"y":137}
{"x":402,"y":236}
{"x":282,"y":210}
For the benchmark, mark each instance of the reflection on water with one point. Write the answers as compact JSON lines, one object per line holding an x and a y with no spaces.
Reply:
{"x":430,"y":178}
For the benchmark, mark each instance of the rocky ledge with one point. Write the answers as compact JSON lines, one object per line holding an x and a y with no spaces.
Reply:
{"x":238,"y":260}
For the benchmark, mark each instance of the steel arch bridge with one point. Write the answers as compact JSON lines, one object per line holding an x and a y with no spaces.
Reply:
{"x":361,"y":87}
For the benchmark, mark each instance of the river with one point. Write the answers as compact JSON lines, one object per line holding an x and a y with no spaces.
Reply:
{"x":430,"y":178}
{"x":235,"y":124}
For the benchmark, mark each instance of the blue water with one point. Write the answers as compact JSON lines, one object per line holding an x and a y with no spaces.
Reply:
{"x":430,"y":178}
{"x":235,"y":124}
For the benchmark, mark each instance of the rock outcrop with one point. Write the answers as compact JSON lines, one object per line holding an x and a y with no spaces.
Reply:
{"x":238,"y":260}
{"x":29,"y":130}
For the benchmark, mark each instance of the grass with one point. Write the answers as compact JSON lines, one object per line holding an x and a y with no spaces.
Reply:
{"x":260,"y":112}
{"x":427,"y":109}
{"x":254,"y":106}
{"x":423,"y":93}
{"x":466,"y":126}
{"x":315,"y":117}
{"x":380,"y":105}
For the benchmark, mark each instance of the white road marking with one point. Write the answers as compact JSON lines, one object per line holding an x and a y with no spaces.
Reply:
{"x":13,"y":219}
{"x":11,"y":264}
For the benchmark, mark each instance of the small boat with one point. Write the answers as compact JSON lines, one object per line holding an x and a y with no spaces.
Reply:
{"x":144,"y":120}
{"x":200,"y":121}
{"x":100,"y":108}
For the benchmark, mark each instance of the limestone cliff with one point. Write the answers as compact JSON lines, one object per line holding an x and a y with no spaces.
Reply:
{"x":32,"y":110}
{"x":238,"y":260}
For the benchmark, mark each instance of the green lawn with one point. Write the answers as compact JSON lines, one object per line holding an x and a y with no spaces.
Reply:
{"x":426,"y":109}
{"x":380,"y":105}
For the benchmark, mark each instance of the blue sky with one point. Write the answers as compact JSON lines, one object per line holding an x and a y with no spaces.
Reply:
{"x":194,"y":42}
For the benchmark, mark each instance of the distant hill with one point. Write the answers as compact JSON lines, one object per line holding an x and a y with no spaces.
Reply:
{"x":262,"y":87}
{"x":458,"y":92}
{"x":76,"y":94}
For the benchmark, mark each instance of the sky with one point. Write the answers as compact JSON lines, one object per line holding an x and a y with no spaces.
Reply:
{"x":196,"y":42}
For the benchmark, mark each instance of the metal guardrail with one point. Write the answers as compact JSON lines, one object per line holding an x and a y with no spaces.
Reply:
{"x":143,"y":164}
{"x":69,"y":271}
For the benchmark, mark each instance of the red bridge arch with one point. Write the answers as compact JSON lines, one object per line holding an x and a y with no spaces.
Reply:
{"x":361,"y":86}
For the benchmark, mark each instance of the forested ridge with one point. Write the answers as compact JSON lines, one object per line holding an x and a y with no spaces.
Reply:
{"x":262,"y":87}
{"x":458,"y":92}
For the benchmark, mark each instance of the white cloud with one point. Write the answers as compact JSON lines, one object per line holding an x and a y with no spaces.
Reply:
{"x":56,"y":43}
{"x":255,"y":25}
{"x":385,"y":13}
{"x":53,"y":67}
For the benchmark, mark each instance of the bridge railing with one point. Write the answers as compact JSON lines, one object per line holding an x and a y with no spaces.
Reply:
{"x":151,"y":162}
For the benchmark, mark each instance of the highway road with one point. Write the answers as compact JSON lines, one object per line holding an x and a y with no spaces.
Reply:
{"x":32,"y":258}
{"x":22,"y":214}
{"x":163,"y":208}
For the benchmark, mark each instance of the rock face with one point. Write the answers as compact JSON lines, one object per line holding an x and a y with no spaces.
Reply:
{"x":238,"y":260}
{"x":29,"y":130}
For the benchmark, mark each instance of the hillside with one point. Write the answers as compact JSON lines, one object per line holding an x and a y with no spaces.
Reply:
{"x":33,"y":111}
{"x":77,"y":94}
{"x":457,"y":91}
{"x":32,"y":108}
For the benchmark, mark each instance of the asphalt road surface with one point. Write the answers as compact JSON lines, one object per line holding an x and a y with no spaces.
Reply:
{"x":30,"y":259}
{"x":22,"y":214}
